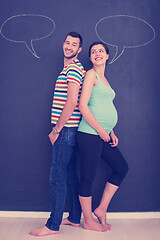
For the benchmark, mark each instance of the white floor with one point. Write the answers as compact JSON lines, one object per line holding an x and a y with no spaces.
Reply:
{"x":122,"y":229}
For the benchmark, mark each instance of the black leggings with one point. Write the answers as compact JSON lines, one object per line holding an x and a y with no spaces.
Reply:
{"x":90,"y":149}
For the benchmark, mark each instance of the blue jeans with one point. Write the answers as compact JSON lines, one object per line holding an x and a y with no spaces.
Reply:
{"x":63,"y":172}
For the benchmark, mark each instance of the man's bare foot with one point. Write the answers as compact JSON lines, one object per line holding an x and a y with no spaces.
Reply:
{"x":95,"y":226}
{"x":43,"y":231}
{"x":65,"y":221}
{"x":101,"y":216}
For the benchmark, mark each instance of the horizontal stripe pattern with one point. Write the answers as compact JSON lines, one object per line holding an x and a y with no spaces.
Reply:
{"x":74,"y":72}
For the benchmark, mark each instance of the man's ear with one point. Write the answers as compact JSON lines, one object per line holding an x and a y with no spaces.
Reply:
{"x":80,"y":49}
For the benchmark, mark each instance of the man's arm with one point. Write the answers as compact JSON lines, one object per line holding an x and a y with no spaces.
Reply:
{"x":71,"y":103}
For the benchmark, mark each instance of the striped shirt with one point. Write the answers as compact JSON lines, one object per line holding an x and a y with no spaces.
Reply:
{"x":74,"y":72}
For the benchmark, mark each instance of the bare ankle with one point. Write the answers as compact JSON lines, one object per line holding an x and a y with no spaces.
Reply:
{"x":65,"y":221}
{"x":88,"y":220}
{"x":100,"y":210}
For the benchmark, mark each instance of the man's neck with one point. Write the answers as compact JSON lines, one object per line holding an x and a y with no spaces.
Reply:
{"x":68,"y":61}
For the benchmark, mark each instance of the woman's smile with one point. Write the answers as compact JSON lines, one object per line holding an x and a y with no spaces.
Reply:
{"x":98,"y":58}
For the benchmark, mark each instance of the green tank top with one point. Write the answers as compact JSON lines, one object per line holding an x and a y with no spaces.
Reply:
{"x":102,"y":107}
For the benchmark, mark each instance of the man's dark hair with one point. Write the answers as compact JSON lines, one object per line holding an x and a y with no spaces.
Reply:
{"x":75,"y":35}
{"x":96,"y":43}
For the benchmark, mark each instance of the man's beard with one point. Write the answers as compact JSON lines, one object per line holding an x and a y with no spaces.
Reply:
{"x":72,"y":56}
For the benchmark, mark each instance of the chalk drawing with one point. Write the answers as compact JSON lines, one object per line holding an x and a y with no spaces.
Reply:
{"x":26,"y":28}
{"x":114,"y":32}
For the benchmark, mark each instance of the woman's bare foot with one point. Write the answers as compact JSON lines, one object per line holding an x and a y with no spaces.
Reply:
{"x":101,"y":216}
{"x":43,"y":231}
{"x":95,"y":226}
{"x":65,"y":221}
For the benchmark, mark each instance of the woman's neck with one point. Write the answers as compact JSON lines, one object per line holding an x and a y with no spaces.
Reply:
{"x":99,"y":70}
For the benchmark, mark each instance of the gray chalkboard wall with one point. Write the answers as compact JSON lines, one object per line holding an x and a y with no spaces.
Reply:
{"x":32,"y":33}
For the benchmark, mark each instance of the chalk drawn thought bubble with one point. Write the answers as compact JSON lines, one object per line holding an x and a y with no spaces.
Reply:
{"x":26,"y":28}
{"x":124,"y":31}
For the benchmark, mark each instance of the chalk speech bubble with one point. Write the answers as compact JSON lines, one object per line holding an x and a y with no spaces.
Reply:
{"x":26,"y":28}
{"x":114,"y":32}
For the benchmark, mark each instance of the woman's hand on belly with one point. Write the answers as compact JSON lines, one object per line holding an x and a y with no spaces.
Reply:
{"x":104,"y":135}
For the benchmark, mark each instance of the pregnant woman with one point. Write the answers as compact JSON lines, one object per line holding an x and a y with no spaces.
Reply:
{"x":96,"y":139}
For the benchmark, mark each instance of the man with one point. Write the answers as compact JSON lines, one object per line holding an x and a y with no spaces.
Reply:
{"x":65,"y":118}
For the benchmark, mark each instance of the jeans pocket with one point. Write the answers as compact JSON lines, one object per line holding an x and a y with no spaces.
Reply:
{"x":72,"y":136}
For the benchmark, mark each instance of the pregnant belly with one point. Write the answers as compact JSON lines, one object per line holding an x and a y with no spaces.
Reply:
{"x":106,"y":116}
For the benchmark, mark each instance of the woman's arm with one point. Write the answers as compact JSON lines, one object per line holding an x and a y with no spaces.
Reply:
{"x":88,"y":84}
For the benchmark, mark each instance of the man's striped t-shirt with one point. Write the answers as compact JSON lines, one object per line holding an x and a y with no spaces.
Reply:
{"x":74,"y":72}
